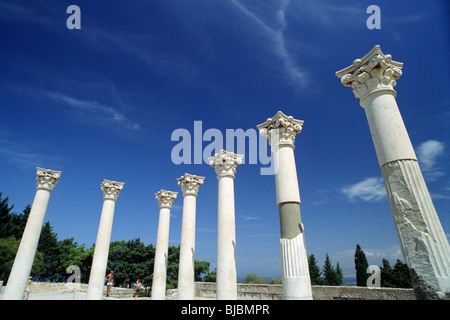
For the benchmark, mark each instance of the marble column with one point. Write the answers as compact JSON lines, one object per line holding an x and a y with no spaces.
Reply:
{"x":46,"y":180}
{"x":420,"y":233}
{"x":186,"y":274}
{"x":165,"y":200}
{"x":225,"y":164}
{"x":111,"y":190}
{"x":280,"y":132}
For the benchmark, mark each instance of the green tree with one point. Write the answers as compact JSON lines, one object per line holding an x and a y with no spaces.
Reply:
{"x":210,"y":277}
{"x":361,"y":266}
{"x":8,"y":250}
{"x":331,"y":276}
{"x":314,"y":271}
{"x":402,"y":275}
{"x":5,"y":217}
{"x":253,"y":279}
{"x":339,"y":275}
{"x":172,"y":267}
{"x":386,"y":274}
{"x":71,"y":253}
{"x":397,"y":277}
{"x":275,"y":281}
{"x":131,"y":261}
{"x":329,"y":272}
{"x":18,"y":222}
{"x":201,"y":270}
{"x":48,"y":246}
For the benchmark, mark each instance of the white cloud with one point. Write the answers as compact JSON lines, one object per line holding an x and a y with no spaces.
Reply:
{"x":246,"y":218}
{"x":28,"y":153}
{"x":370,"y":189}
{"x":427,"y":154}
{"x":297,"y":76}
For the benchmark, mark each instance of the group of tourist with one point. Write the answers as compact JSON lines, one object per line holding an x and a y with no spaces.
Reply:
{"x":110,"y":282}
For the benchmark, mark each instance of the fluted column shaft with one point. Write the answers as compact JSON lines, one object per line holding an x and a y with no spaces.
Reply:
{"x":111,"y":190}
{"x":186,"y":273}
{"x":165,"y":199}
{"x":420,"y":233}
{"x":281,"y":131}
{"x":225,"y":164}
{"x":17,"y":282}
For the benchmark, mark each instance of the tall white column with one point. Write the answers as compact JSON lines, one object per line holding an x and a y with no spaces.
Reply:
{"x":421,"y":236}
{"x":189,"y":185}
{"x":165,"y":199}
{"x":281,"y":131}
{"x":225,"y":164}
{"x":46,"y":180}
{"x":111,"y":190}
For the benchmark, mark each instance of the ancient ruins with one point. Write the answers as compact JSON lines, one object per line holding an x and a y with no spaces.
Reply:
{"x":420,"y":233}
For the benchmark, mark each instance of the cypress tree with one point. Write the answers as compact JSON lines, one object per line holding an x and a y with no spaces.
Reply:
{"x":361,"y":266}
{"x":5,"y":217}
{"x":329,"y":273}
{"x":314,"y":271}
{"x":339,"y":275}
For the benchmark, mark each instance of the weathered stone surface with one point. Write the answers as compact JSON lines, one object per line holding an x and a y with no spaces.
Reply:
{"x":422,"y":239}
{"x":206,"y":290}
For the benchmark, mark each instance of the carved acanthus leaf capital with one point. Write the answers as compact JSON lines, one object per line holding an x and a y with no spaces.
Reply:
{"x":225,"y":163}
{"x":165,"y":198}
{"x":374,"y":72}
{"x":111,"y":189}
{"x":46,"y":178}
{"x":190,"y":184}
{"x":281,"y":130}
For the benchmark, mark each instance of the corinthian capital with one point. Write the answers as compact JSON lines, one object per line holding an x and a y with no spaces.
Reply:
{"x":190,"y":184}
{"x":373,"y":73}
{"x":225,"y":163}
{"x":111,"y":189}
{"x":46,"y":178}
{"x":165,"y":198}
{"x":281,"y":130}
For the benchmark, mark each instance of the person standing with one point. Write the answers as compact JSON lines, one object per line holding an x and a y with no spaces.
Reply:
{"x":109,"y":282}
{"x":28,"y":289}
{"x":137,"y":293}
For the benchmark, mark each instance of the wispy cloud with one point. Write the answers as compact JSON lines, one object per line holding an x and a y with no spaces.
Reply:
{"x":92,"y":110}
{"x":17,"y":11}
{"x":297,"y":75}
{"x":27,"y":154}
{"x":428,"y":153}
{"x":146,"y":49}
{"x":369,"y":189}
{"x":247,"y":218}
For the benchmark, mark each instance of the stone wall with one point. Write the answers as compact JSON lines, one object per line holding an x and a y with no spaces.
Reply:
{"x":207,"y":290}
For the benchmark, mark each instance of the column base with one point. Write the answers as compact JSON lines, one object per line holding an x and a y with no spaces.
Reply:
{"x":95,"y":292}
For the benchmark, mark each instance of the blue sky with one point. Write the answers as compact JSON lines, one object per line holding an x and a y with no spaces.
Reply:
{"x":102,"y":103}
